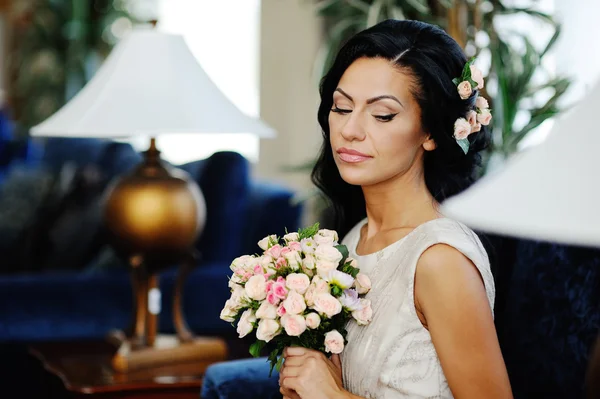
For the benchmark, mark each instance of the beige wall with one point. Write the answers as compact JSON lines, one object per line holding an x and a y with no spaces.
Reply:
{"x":290,"y":38}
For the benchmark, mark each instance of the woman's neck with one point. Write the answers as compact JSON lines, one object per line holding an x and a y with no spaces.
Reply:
{"x":403,"y":201}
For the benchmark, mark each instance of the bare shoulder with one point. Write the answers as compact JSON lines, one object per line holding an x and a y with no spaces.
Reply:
{"x":442,"y":265}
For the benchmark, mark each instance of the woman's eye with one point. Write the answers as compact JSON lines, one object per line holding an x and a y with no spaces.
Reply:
{"x":338,"y":110}
{"x":385,"y":118}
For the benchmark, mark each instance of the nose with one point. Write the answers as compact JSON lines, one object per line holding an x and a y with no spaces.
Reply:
{"x":353,"y":128}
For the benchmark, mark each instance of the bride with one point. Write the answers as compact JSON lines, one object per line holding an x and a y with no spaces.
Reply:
{"x":402,"y":131}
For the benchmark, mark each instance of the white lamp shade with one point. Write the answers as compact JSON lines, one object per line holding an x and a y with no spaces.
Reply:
{"x":150,"y":84}
{"x":550,"y":192}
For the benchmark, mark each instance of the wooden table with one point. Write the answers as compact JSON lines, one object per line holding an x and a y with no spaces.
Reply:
{"x":85,"y":371}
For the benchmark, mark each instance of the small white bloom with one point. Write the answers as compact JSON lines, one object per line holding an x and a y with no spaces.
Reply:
{"x":326,"y":237}
{"x":266,"y":311}
{"x":341,"y":279}
{"x":308,"y":245}
{"x":329,"y":254}
{"x":267,"y":330}
{"x":229,"y":312}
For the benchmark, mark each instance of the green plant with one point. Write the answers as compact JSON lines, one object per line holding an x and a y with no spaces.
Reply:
{"x":55,"y":48}
{"x":516,"y":70}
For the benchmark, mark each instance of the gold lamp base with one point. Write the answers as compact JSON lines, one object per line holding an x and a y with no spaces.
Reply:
{"x":154,"y":216}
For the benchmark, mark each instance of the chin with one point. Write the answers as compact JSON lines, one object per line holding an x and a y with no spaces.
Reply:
{"x":357,"y":177}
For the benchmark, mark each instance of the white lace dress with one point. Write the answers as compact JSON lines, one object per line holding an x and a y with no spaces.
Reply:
{"x":394,"y":357}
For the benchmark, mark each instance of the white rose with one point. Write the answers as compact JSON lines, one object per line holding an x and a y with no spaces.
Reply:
{"x":325,"y":267}
{"x":308,"y":245}
{"x":334,"y":342}
{"x":294,"y":303}
{"x":353,"y":262}
{"x":329,"y":254}
{"x":266,"y":311}
{"x":313,"y":320}
{"x":364,"y":315}
{"x":239,"y":296}
{"x":309,"y":261}
{"x":267,"y":330}
{"x":294,"y":325}
{"x":297,"y":282}
{"x":327,"y":304}
{"x":294,"y":260}
{"x":326,"y":237}
{"x":245,"y":325}
{"x":256,"y":288}
{"x":291,"y":237}
{"x":363,"y":283}
{"x":245,"y":262}
{"x":229,"y":312}
{"x":317,"y":286}
{"x":267,"y":242}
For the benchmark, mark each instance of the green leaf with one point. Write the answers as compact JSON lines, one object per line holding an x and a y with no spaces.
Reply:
{"x":336,"y":291}
{"x":374,"y":13}
{"x":256,"y":348}
{"x":344,"y":251}
{"x":464,"y":144}
{"x":308,"y":232}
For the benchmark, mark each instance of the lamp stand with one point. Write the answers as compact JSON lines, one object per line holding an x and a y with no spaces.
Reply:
{"x":154,"y":216}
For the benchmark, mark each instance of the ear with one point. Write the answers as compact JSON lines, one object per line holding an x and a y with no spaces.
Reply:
{"x":429,"y":144}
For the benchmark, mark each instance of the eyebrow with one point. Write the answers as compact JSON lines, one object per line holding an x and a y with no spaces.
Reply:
{"x":371,"y":100}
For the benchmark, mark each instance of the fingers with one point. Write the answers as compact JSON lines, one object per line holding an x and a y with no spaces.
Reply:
{"x":295,"y":351}
{"x":337,"y":362}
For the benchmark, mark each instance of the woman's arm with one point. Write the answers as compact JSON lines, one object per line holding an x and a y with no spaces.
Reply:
{"x":451,"y":296}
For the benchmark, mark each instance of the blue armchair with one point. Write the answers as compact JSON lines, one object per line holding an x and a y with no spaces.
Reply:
{"x":64,"y":299}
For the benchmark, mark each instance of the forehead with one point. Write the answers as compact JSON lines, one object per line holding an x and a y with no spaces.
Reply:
{"x":368,"y":77}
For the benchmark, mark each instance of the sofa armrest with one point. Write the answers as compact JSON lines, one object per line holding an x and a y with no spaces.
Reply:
{"x":271,"y":211}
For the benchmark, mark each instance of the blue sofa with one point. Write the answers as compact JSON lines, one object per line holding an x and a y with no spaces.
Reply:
{"x":64,"y":282}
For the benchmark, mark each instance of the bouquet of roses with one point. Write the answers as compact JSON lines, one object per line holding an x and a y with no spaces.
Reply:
{"x":300,"y":292}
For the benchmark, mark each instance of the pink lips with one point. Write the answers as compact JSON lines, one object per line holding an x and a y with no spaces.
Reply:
{"x":352,"y":156}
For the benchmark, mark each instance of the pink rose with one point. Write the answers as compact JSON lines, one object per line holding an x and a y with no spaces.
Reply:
{"x":294,"y":303}
{"x":245,"y":325}
{"x":279,"y":290}
{"x":465,"y":90}
{"x":484,"y":117}
{"x":295,"y":246}
{"x":362,"y":283}
{"x":280,"y":262}
{"x":267,"y":311}
{"x":477,"y":77}
{"x":334,"y":342}
{"x":472,"y":118}
{"x":256,"y":288}
{"x":272,"y":298}
{"x":481,"y":103}
{"x":462,"y":129}
{"x":476,"y":128}
{"x":274,"y":251}
{"x":297,"y":282}
{"x":281,"y":311}
{"x":294,"y":325}
{"x":267,"y":330}
{"x":364,"y":315}
{"x":327,"y":304}
{"x":313,"y":320}
{"x":258,"y":269}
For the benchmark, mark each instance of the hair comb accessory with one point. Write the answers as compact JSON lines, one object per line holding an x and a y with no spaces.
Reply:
{"x":469,"y":82}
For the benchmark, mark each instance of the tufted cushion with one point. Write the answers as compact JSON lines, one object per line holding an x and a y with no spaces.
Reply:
{"x":225,"y":182}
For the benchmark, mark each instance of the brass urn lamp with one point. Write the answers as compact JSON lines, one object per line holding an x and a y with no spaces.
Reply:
{"x":150,"y":85}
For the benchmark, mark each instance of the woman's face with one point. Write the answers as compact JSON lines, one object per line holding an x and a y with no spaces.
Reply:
{"x":375,"y":124}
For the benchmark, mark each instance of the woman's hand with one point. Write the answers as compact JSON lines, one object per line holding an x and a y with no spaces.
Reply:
{"x":308,"y":374}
